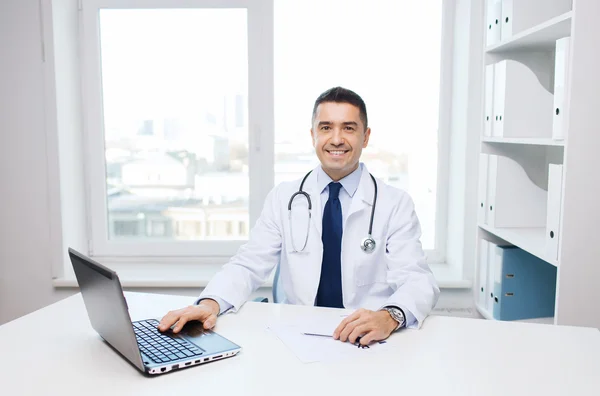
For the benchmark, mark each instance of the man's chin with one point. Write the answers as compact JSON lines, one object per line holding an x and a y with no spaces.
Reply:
{"x":335,"y":166}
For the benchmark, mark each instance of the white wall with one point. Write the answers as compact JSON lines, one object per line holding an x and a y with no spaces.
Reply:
{"x":25,"y":270}
{"x":26,"y":241}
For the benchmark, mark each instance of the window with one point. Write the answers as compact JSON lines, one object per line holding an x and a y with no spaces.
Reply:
{"x":168,"y":123}
{"x":386,"y":51}
{"x":195,"y":114}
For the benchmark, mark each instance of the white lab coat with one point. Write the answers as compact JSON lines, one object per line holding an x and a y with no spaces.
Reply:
{"x":396,"y":273}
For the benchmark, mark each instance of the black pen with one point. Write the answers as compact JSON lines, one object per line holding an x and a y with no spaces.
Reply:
{"x":358,"y":345}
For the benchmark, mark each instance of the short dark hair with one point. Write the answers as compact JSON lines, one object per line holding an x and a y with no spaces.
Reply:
{"x":342,"y":95}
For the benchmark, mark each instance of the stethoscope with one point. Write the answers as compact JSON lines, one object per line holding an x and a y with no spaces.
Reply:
{"x":367,"y":244}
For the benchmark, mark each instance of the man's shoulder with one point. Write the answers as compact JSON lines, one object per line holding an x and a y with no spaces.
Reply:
{"x":285,"y":188}
{"x":396,"y":193}
{"x":288,"y":185}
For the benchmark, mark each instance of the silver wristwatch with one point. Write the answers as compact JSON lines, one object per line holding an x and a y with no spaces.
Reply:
{"x":396,"y":314}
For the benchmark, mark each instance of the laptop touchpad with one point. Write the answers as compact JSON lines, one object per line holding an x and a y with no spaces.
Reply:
{"x":193,"y":329}
{"x":205,"y":339}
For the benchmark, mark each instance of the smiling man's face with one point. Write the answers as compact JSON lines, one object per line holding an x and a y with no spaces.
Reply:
{"x":339,"y":136}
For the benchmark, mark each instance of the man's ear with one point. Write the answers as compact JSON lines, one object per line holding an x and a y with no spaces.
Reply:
{"x":313,"y":137}
{"x":367,"y":135}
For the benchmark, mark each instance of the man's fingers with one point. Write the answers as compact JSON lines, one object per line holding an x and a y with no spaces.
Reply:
{"x":183,"y":319}
{"x":368,"y":338}
{"x":169,"y":320}
{"x":357,"y":332}
{"x":209,"y":322}
{"x":342,"y":325}
{"x":180,"y":317}
{"x":349,"y":329}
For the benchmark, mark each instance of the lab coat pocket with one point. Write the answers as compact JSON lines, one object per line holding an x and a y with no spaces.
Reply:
{"x":370,"y":268}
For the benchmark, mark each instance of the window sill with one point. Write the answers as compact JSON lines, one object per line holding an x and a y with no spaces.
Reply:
{"x":198,"y":275}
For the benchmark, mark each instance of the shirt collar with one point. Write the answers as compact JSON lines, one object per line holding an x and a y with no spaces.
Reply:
{"x":349,"y":183}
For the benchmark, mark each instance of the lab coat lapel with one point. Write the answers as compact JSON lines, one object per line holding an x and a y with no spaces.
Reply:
{"x":363,"y":198}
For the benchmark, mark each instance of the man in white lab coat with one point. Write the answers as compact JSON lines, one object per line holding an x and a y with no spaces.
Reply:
{"x":323,"y":258}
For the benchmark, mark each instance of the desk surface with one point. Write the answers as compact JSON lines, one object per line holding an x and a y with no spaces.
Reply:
{"x":55,"y":351}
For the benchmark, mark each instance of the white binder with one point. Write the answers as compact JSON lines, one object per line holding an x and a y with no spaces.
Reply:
{"x":561,"y":89}
{"x":483,"y":291}
{"x":491,"y":267}
{"x":492,"y":172}
{"x":482,"y":189}
{"x":555,"y":176}
{"x":522,"y":106}
{"x":519,"y":15}
{"x":489,"y":100}
{"x":494,"y":13}
{"x":513,"y":200}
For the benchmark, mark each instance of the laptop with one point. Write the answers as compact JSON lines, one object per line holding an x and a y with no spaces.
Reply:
{"x":149,"y":350}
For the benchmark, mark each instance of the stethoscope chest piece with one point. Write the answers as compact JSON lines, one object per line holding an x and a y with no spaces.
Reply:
{"x":368,"y":244}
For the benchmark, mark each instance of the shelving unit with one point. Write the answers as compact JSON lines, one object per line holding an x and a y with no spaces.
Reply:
{"x":532,"y":240}
{"x":527,"y":141}
{"x":554,"y":162}
{"x":541,"y":37}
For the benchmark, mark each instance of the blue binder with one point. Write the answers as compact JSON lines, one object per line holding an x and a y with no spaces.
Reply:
{"x":524,"y":285}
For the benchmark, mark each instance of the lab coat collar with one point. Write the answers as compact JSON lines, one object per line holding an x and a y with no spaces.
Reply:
{"x":364,"y":193}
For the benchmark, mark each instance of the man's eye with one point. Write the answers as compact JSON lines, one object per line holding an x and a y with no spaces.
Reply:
{"x":325,"y":128}
{"x":349,"y":128}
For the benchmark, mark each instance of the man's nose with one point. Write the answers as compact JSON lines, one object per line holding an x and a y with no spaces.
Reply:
{"x":336,"y":138}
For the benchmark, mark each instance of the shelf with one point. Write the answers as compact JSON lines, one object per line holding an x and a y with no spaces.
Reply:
{"x":487,"y":315}
{"x":528,"y":141}
{"x":540,"y":37}
{"x":532,"y":240}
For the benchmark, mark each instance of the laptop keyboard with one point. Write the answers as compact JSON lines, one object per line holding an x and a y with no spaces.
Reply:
{"x":162,"y":348}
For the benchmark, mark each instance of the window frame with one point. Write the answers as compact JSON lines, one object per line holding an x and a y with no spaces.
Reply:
{"x":438,"y":254}
{"x":260,"y":130}
{"x":260,"y":125}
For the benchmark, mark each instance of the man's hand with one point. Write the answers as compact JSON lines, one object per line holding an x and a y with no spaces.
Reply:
{"x":369,"y":325}
{"x":206,"y":312}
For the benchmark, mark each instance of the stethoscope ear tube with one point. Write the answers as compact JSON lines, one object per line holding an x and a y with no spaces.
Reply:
{"x":307,"y":229}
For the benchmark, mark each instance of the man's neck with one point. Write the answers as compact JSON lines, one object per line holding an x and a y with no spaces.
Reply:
{"x":336,"y":177}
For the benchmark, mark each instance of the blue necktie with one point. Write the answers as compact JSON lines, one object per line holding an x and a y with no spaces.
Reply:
{"x":330,"y":285}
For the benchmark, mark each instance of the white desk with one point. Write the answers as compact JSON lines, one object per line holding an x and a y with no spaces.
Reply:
{"x":54,"y":351}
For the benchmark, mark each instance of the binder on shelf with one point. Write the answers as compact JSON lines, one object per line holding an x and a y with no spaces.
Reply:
{"x":482,"y":189}
{"x":489,"y":100}
{"x":524,"y":285}
{"x":519,"y":15}
{"x":522,"y":106}
{"x":491,"y":259}
{"x":494,"y":13}
{"x":483,"y":292}
{"x":513,"y":200}
{"x":561,"y":89}
{"x":555,"y":175}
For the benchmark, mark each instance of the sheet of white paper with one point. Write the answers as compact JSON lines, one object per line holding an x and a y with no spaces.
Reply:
{"x":322,"y":326}
{"x":310,"y":348}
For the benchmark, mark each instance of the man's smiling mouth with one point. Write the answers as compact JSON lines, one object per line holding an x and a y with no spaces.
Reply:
{"x":337,"y":152}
